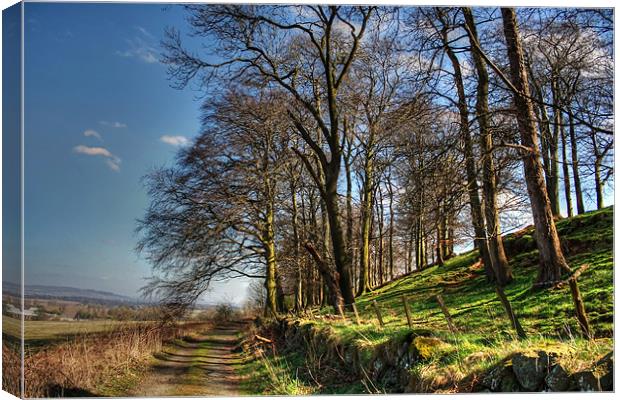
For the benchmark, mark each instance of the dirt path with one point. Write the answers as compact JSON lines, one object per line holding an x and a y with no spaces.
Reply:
{"x":204,"y":365}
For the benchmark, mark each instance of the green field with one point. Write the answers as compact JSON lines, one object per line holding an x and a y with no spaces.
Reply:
{"x":41,"y":331}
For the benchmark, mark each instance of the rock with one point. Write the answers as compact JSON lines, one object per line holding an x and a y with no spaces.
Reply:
{"x":598,"y":378}
{"x":587,"y":381}
{"x":532,"y":368}
{"x":412,"y":385}
{"x":389,"y":352}
{"x":605,"y":370}
{"x":320,"y":341}
{"x":377,"y":366}
{"x":403,"y":355}
{"x":390,"y":378}
{"x":501,"y":378}
{"x":338,"y":353}
{"x":291,"y":337}
{"x":351,"y":358}
{"x":558,"y":379}
{"x":404,"y":378}
{"x":306,"y":334}
{"x":510,"y":383}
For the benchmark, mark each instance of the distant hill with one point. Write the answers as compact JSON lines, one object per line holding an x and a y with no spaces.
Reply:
{"x":67,"y":293}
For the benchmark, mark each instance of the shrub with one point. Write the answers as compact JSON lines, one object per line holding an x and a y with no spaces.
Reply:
{"x":224,"y":312}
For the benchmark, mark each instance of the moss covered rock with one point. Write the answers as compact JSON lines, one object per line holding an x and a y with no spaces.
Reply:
{"x":605,"y":371}
{"x":531,"y":368}
{"x":586,"y":381}
{"x":558,"y":379}
{"x":501,"y":378}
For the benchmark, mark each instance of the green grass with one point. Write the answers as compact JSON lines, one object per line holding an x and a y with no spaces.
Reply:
{"x":276,"y":375}
{"x":473,"y":303}
{"x":485,"y":334}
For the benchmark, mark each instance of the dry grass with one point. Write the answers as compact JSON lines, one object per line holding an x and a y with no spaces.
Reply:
{"x":11,"y":368}
{"x":81,"y":365}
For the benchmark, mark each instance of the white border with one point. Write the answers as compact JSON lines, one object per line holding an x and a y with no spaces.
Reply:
{"x":480,"y":3}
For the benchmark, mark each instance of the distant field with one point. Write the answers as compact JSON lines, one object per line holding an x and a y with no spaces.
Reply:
{"x":56,"y":330}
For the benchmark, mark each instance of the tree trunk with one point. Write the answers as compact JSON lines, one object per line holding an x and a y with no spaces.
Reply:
{"x":497,"y":255}
{"x":439,"y":248}
{"x":341,"y":256}
{"x":270,"y":261}
{"x":410,"y":243}
{"x":297,"y":258}
{"x":391,"y":227}
{"x":566,"y":176}
{"x":366,"y":211}
{"x":448,"y":242}
{"x":441,"y":233}
{"x":575,"y":164}
{"x":380,"y":253}
{"x":315,"y":290}
{"x":552,"y":262}
{"x":280,"y":293}
{"x":598,"y":182}
{"x":331,"y":279}
{"x":545,"y":130}
{"x":420,"y":251}
{"x":347,"y":168}
{"x":553,"y":185}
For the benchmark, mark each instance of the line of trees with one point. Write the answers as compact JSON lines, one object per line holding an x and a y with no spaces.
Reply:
{"x":343,"y":146}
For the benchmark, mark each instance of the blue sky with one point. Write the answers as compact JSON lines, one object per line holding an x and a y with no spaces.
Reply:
{"x":100,"y":113}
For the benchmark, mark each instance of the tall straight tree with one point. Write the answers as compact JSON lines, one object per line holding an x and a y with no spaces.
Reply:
{"x":468,"y":149}
{"x":552,"y":262}
{"x":575,"y":164}
{"x":489,"y":185}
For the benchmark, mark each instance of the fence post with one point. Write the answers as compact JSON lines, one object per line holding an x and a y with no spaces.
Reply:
{"x":580,"y":309}
{"x":378,"y":312}
{"x":341,"y":311}
{"x":407,"y":312}
{"x":357,"y":316}
{"x":446,"y":313}
{"x":508,"y":307}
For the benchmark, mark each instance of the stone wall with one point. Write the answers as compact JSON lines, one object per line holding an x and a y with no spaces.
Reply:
{"x":393,"y":366}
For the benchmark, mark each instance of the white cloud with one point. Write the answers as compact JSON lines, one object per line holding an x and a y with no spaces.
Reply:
{"x":140,"y":48}
{"x":114,"y":124}
{"x":144,"y":32}
{"x":92,"y":151}
{"x":112,"y":161}
{"x":92,"y":133}
{"x":174,"y":140}
{"x":114,"y":165}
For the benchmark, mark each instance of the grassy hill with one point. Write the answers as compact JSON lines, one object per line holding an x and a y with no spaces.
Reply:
{"x":473,"y":304}
{"x":484,"y":330}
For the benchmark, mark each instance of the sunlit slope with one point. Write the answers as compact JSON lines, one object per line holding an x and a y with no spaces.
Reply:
{"x":473,"y":304}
